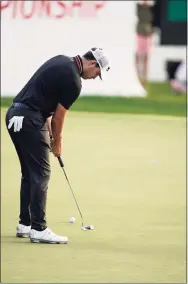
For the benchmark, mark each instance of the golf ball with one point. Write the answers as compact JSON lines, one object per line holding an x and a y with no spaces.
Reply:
{"x":72,"y":220}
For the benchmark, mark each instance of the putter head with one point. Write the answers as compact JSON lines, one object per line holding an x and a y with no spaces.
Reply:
{"x":87,"y":228}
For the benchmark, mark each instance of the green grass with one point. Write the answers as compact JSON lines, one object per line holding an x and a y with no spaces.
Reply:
{"x":160,"y":101}
{"x":137,"y":205}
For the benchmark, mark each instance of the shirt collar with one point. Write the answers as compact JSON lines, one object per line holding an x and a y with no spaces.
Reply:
{"x":79,"y":63}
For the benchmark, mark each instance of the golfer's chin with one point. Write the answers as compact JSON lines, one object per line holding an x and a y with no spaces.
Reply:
{"x":85,"y":77}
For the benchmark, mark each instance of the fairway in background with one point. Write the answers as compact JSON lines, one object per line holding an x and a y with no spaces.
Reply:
{"x":159,"y":101}
{"x":136,"y":205}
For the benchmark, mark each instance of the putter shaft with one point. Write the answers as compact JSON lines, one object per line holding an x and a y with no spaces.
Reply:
{"x":62,"y":166}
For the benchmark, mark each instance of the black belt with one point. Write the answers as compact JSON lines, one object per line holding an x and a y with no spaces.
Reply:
{"x":19,"y":105}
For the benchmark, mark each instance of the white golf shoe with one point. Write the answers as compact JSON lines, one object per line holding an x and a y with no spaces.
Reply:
{"x":47,"y":236}
{"x":23,"y":231}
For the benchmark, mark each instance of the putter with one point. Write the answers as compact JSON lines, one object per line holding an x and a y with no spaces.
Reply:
{"x":83,"y":227}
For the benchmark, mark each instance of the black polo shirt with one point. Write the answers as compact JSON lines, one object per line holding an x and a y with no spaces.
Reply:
{"x":56,"y":81}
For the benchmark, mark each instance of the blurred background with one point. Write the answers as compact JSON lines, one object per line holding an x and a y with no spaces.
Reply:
{"x":146,"y":41}
{"x":162,"y":36}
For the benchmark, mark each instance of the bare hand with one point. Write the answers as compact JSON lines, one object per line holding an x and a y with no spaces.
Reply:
{"x":56,"y":147}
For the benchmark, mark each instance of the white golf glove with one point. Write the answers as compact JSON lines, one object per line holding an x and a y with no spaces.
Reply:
{"x":17,"y":121}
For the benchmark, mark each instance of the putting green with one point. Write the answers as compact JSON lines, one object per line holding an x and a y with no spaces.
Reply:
{"x":129,"y":176}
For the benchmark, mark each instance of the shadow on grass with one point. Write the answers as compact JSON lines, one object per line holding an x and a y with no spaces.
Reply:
{"x":12,"y":239}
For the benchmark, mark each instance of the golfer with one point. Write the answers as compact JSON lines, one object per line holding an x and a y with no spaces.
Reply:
{"x":35,"y":124}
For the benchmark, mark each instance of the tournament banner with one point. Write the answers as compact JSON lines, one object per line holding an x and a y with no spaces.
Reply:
{"x":34,"y":31}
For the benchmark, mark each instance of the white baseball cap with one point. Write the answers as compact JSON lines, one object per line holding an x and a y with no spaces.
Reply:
{"x":102,"y":60}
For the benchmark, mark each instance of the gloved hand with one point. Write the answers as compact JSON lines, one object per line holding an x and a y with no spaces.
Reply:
{"x":17,"y":121}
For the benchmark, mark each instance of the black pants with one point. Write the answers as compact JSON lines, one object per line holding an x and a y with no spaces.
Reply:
{"x":32,"y":144}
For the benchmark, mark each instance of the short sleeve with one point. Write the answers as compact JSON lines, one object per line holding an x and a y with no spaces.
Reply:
{"x":68,"y":91}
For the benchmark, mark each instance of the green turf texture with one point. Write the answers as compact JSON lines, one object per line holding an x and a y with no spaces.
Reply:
{"x":129,"y":175}
{"x":159,"y":101}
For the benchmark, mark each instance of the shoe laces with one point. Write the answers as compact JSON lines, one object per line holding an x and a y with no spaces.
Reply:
{"x":52,"y":234}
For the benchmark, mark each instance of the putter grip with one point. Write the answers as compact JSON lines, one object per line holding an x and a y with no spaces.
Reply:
{"x":60,"y":161}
